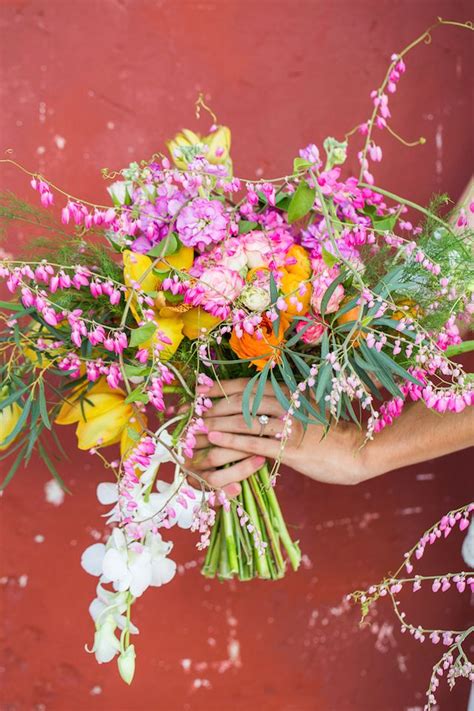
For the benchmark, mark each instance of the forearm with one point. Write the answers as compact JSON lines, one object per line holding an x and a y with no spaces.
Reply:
{"x":419,"y":434}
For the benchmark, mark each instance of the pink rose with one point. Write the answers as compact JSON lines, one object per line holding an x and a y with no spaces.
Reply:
{"x":216,"y":290}
{"x":258,"y":249}
{"x":322,"y":279}
{"x":313,"y":333}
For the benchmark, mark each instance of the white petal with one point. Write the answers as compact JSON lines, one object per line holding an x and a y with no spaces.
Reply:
{"x":96,"y":608}
{"x":163,"y":570}
{"x":106,"y":644}
{"x":92,"y":559}
{"x":114,"y":565}
{"x":140,"y":571}
{"x":186,"y":516}
{"x":107,"y":493}
{"x":118,"y":539}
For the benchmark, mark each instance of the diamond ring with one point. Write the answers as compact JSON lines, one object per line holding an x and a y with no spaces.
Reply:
{"x":263,"y":421}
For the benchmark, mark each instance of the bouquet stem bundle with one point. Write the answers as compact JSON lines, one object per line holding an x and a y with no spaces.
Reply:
{"x":249,"y":538}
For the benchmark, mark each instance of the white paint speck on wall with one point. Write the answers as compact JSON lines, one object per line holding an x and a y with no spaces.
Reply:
{"x":53,"y":493}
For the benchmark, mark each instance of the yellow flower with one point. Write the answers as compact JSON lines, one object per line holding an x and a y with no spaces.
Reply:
{"x":102,"y":415}
{"x":39,"y":360}
{"x":195,"y":320}
{"x":217,"y":144}
{"x":9,"y":417}
{"x":134,"y":267}
{"x":172,"y":328}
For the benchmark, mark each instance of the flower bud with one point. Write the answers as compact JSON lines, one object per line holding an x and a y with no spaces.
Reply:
{"x":126,"y":664}
{"x":9,"y":417}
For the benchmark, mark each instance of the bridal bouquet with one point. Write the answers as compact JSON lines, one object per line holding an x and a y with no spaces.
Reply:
{"x":317,"y":283}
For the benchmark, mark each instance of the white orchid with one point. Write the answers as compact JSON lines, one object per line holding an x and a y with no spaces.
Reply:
{"x":106,"y":644}
{"x":132,"y":566}
{"x":114,"y":604}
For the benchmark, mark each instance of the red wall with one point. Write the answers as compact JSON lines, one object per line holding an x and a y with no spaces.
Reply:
{"x":114,"y":79}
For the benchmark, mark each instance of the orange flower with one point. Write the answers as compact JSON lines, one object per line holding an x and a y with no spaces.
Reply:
{"x":263,"y":349}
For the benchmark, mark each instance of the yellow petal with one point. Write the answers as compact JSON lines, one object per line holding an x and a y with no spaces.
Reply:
{"x":105,"y":429}
{"x":173,"y":329}
{"x":290,"y":285}
{"x":219,"y":145}
{"x":197,"y":319}
{"x":138,"y":423}
{"x":98,"y":404}
{"x":135,"y":266}
{"x":182,"y":259}
{"x":9,"y":417}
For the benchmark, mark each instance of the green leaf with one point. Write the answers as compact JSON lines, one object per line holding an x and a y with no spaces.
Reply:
{"x":246,"y":399}
{"x":323,"y":379}
{"x":362,"y":369}
{"x":329,"y":258}
{"x":167,"y":246}
{"x":132,"y":371}
{"x":11,"y":306}
{"x":142,"y":334}
{"x":21,"y":421}
{"x":247,"y":226}
{"x":457,"y":349}
{"x":397,"y":368}
{"x":301,"y":164}
{"x":12,"y":471}
{"x":44,"y":455}
{"x":13,"y":397}
{"x":136,"y":396}
{"x":330,"y":291}
{"x":372,"y":356}
{"x":279,"y":394}
{"x":42,"y":404}
{"x":301,"y":202}
{"x":260,"y":389}
{"x":133,"y":434}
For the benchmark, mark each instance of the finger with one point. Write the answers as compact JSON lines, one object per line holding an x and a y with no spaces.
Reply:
{"x":264,"y":446}
{"x":237,"y":424}
{"x":236,"y":472}
{"x":232,"y":490}
{"x":201,"y":442}
{"x":227,"y":388}
{"x":216,"y":457}
{"x":233,"y":406}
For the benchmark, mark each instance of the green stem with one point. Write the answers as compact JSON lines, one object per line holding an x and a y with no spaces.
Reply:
{"x":273,"y":537}
{"x":291,"y":547}
{"x":251,"y":510}
{"x":230,"y":540}
{"x":209,"y":568}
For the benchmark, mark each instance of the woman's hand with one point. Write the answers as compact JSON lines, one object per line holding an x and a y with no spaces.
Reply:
{"x":334,"y":458}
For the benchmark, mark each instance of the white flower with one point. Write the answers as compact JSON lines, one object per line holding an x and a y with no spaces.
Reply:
{"x":106,"y":644}
{"x":255,"y":298}
{"x":126,"y":664}
{"x":111,"y":603}
{"x":132,"y":567}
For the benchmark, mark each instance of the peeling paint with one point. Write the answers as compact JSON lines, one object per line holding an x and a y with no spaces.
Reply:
{"x":53,"y":493}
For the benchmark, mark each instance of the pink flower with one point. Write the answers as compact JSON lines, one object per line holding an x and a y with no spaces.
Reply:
{"x":201,"y":223}
{"x":216,"y":290}
{"x":313,"y":333}
{"x":322,"y":279}
{"x":258,"y":249}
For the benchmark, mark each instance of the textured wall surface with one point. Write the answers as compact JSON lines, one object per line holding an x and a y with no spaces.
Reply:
{"x":93,"y":83}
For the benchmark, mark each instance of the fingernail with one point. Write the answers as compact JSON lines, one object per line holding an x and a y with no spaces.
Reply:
{"x":259,"y":461}
{"x":232,"y":489}
{"x":202,"y":389}
{"x":214,"y":437}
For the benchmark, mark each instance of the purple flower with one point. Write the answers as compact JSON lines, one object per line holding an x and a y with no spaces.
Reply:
{"x":201,"y":223}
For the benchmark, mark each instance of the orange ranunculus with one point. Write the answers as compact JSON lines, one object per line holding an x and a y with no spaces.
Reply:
{"x":290,"y":286}
{"x":264,"y":349}
{"x":302,"y":266}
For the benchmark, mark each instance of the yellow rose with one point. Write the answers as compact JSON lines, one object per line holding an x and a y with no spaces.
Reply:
{"x":134,"y":267}
{"x":9,"y":417}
